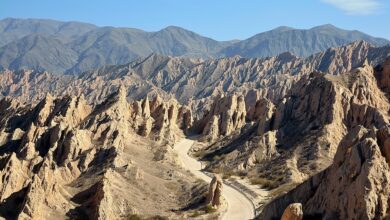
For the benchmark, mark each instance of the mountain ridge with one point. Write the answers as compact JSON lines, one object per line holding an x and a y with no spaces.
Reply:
{"x":89,"y":46}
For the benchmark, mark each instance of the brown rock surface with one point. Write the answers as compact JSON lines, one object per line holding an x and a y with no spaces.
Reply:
{"x":293,"y":212}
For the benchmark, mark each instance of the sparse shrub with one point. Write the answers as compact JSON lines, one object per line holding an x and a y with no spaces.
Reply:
{"x":266,"y":183}
{"x":282,"y":189}
{"x":228,"y":174}
{"x":217,"y":170}
{"x":209,"y":209}
{"x":199,"y":154}
{"x":216,"y":157}
{"x":134,"y":217}
{"x":198,"y":181}
{"x":195,"y":214}
{"x":242,"y":173}
{"x":279,"y":178}
{"x":158,"y":217}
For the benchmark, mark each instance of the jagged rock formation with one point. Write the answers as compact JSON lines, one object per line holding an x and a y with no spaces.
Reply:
{"x":354,"y":187}
{"x":214,"y":197}
{"x":293,"y":212}
{"x":297,"y":138}
{"x":64,"y":158}
{"x":192,"y":80}
{"x":226,"y":115}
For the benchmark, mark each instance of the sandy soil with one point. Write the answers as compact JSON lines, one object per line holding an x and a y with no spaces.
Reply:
{"x":239,"y":207}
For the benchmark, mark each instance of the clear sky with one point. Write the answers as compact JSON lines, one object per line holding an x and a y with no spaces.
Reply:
{"x":218,"y":19}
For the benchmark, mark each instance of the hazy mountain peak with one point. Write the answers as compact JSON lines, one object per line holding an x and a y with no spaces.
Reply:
{"x":283,"y":28}
{"x":174,"y":28}
{"x":325,"y":27}
{"x":302,"y":42}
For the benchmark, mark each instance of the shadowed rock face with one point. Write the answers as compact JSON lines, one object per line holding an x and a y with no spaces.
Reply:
{"x":355,"y":186}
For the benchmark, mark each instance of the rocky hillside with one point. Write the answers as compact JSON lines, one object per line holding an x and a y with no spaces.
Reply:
{"x":73,"y":47}
{"x":290,"y":141}
{"x":340,"y":122}
{"x":356,"y":185}
{"x":63,"y":158}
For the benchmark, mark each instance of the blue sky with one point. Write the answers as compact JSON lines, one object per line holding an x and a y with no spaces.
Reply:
{"x":218,"y":19}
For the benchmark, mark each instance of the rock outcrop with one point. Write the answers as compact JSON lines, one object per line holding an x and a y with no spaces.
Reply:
{"x":226,"y":115}
{"x":214,"y":197}
{"x":293,"y":212}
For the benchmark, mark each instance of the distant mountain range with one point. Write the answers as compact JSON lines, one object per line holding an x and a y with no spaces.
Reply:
{"x":74,"y":47}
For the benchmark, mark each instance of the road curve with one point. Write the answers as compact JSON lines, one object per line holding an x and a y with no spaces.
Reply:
{"x":239,"y":207}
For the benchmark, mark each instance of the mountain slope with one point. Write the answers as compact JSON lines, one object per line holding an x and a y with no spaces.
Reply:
{"x":121,"y":45}
{"x":13,"y":29}
{"x":299,"y":42}
{"x":37,"y":52}
{"x":88,"y":47}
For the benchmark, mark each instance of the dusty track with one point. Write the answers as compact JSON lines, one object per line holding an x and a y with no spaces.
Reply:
{"x":239,"y":206}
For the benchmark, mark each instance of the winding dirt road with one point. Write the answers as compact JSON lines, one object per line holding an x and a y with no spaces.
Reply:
{"x":239,"y":207}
